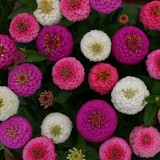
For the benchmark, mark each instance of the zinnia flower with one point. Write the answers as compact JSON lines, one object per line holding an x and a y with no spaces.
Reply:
{"x":55,"y":41}
{"x":25,"y":79}
{"x":159,"y":115}
{"x":24,"y":28}
{"x":123,"y":18}
{"x":128,"y":95}
{"x":96,"y":45}
{"x":105,"y":6}
{"x":145,"y":141}
{"x":102,"y":78}
{"x":153,"y":64}
{"x":150,"y":15}
{"x":56,"y":126}
{"x":68,"y":73}
{"x":96,"y":120}
{"x":75,"y":154}
{"x":75,"y":10}
{"x":7,"y":50}
{"x":15,"y":132}
{"x":130,"y":45}
{"x":9,"y":103}
{"x":48,"y":12}
{"x":115,"y":149}
{"x":19,"y":57}
{"x":40,"y":148}
{"x":46,"y":99}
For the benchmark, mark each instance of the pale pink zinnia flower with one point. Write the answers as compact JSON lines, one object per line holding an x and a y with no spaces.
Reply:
{"x":24,"y":28}
{"x":75,"y":10}
{"x":40,"y":148}
{"x":115,"y":149}
{"x":153,"y":64}
{"x":68,"y":73}
{"x":145,"y":141}
{"x":102,"y":78}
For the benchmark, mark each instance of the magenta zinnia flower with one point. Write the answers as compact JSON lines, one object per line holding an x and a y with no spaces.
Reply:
{"x":24,"y":28}
{"x":7,"y":49}
{"x":115,"y":149}
{"x":102,"y":78}
{"x":68,"y":73}
{"x":145,"y":141}
{"x":40,"y":148}
{"x":25,"y":79}
{"x":55,"y":41}
{"x":75,"y":10}
{"x":15,"y":132}
{"x":150,"y":15}
{"x":130,"y":45}
{"x":105,"y":6}
{"x":96,"y":120}
{"x":153,"y":64}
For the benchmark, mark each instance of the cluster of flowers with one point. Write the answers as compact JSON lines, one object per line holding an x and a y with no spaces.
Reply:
{"x":96,"y":120}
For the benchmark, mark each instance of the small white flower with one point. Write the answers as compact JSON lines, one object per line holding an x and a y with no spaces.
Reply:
{"x":75,"y":154}
{"x":96,"y":45}
{"x":9,"y":103}
{"x":56,"y":126}
{"x":128,"y":96}
{"x":48,"y":12}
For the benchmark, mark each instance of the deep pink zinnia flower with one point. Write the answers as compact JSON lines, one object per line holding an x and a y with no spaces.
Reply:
{"x":153,"y":64}
{"x":145,"y":141}
{"x":68,"y":73}
{"x":25,"y":79}
{"x":15,"y":132}
{"x":96,"y":120}
{"x":40,"y":148}
{"x":24,"y":28}
{"x":130,"y":45}
{"x":115,"y":148}
{"x":105,"y":6}
{"x":75,"y":10}
{"x":55,"y":41}
{"x":150,"y":15}
{"x":7,"y":50}
{"x":102,"y":78}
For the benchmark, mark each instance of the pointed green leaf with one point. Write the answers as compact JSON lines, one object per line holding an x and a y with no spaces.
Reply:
{"x":81,"y":144}
{"x":63,"y":96}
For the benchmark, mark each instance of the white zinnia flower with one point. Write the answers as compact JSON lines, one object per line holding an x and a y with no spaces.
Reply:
{"x":9,"y":103}
{"x":96,"y":45}
{"x":128,"y":96}
{"x":56,"y":126}
{"x":48,"y":12}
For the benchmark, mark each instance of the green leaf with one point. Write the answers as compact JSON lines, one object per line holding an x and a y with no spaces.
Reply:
{"x":63,"y":96}
{"x":150,"y":99}
{"x":33,"y":56}
{"x":81,"y":144}
{"x":64,"y":155}
{"x":150,"y":114}
{"x":65,"y":22}
{"x":30,"y":3}
{"x":91,"y":154}
{"x":23,"y":9}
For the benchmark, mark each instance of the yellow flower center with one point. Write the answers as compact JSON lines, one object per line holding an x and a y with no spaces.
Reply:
{"x":96,"y":48}
{"x":12,"y":133}
{"x":2,"y":52}
{"x":46,"y":6}
{"x":156,"y":10}
{"x":23,"y":78}
{"x":129,"y":93}
{"x":51,"y":42}
{"x":104,"y":75}
{"x":65,"y":72}
{"x":1,"y":103}
{"x":75,"y":154}
{"x":133,"y":42}
{"x":56,"y":131}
